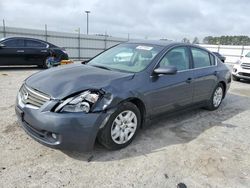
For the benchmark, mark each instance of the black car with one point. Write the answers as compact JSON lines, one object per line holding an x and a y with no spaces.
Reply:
{"x":118,"y":92}
{"x":221,"y":57}
{"x":29,"y":51}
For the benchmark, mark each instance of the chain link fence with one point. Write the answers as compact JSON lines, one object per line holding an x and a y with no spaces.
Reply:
{"x":79,"y":46}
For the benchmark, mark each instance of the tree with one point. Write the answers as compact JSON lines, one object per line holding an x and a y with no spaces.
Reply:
{"x":196,"y":40}
{"x":185,"y":40}
{"x":227,"y":40}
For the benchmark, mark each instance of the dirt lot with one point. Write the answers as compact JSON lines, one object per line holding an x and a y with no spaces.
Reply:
{"x":199,"y":148}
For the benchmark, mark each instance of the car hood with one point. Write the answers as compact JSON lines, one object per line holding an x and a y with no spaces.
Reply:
{"x":245,"y":60}
{"x":63,"y":81}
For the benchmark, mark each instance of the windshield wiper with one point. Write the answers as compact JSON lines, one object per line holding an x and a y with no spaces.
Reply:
{"x":102,"y":67}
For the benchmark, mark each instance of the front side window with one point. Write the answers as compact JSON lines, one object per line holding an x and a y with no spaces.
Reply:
{"x":200,"y":57}
{"x":14,"y":43}
{"x":34,"y":44}
{"x":178,"y":57}
{"x":127,"y":57}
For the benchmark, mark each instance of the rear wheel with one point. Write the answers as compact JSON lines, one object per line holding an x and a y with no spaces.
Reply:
{"x":121,"y":128}
{"x":216,"y":98}
{"x":47,"y":64}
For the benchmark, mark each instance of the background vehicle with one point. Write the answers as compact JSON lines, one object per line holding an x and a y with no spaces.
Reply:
{"x":117,"y":92}
{"x":241,"y":69}
{"x":28,"y":51}
{"x":221,"y":57}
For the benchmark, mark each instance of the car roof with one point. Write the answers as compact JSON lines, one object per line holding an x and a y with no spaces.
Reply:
{"x":28,"y":39}
{"x":21,"y":38}
{"x":165,"y":43}
{"x":154,"y":42}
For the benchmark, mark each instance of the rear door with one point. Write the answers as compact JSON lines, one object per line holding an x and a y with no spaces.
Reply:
{"x":205,"y":74}
{"x":170,"y":92}
{"x":35,"y":52}
{"x":13,"y":52}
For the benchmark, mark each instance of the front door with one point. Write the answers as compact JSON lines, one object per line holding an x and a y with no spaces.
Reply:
{"x":170,"y":92}
{"x":12,"y":52}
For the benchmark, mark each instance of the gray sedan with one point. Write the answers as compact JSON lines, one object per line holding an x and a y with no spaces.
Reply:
{"x":112,"y":96}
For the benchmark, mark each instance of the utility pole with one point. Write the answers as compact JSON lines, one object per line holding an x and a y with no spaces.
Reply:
{"x":87,"y":12}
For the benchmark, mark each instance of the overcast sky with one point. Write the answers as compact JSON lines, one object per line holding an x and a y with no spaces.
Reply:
{"x":172,"y":19}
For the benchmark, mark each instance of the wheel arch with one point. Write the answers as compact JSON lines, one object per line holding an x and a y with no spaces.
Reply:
{"x":141,"y":107}
{"x":224,"y":88}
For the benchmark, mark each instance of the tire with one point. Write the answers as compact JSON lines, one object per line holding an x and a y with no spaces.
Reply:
{"x":235,"y":78}
{"x":216,"y":98}
{"x":113,"y":135}
{"x":46,"y":64}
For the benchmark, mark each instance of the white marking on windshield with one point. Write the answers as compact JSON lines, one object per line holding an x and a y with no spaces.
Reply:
{"x":144,"y":48}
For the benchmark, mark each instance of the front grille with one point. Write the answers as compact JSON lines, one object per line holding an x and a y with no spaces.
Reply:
{"x":244,"y":74}
{"x":245,"y":65}
{"x":33,"y":97}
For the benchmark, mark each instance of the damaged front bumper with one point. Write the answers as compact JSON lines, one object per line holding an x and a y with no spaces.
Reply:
{"x":69,"y":131}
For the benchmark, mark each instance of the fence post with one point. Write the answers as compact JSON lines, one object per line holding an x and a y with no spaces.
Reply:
{"x":4,"y":29}
{"x":128,"y":36}
{"x":218,"y":48}
{"x":242,"y":50}
{"x":105,"y":40}
{"x":79,"y":43}
{"x":46,"y":33}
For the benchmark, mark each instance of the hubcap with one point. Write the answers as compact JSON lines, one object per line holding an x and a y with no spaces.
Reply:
{"x":218,"y":95}
{"x":124,"y":127}
{"x":48,"y":64}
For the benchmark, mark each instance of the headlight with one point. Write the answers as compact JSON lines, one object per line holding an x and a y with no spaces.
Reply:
{"x":79,"y":103}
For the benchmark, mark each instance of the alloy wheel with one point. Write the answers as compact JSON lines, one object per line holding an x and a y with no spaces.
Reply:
{"x":218,"y":95}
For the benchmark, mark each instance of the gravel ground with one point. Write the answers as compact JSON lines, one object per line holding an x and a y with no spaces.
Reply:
{"x":198,"y":148}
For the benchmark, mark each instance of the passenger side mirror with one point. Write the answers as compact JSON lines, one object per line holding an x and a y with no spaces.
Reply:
{"x":168,"y":70}
{"x":2,"y":45}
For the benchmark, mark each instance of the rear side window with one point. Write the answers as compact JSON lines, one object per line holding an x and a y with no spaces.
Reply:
{"x":34,"y":44}
{"x":14,"y":43}
{"x":200,"y":57}
{"x":178,"y":57}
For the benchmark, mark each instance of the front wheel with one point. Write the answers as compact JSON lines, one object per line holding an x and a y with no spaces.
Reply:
{"x":121,"y":127}
{"x":216,"y":98}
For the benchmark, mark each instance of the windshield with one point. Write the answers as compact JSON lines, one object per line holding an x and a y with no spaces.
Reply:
{"x":248,"y":54}
{"x":127,"y":57}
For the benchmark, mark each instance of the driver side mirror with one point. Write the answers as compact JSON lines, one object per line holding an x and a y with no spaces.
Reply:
{"x":2,"y":45}
{"x":85,"y":62}
{"x":168,"y":70}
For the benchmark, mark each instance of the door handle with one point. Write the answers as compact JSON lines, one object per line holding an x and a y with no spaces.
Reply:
{"x":44,"y":51}
{"x":215,"y":73}
{"x":20,"y":51}
{"x":189,"y":80}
